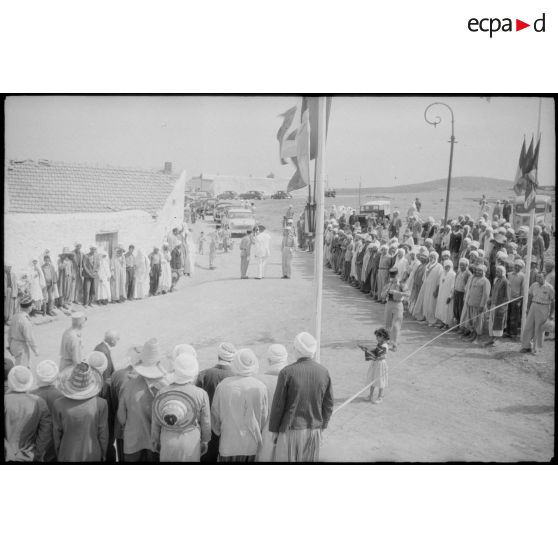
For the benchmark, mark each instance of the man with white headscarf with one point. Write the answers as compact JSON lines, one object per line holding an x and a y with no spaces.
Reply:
{"x":476,"y":299}
{"x":515,"y":279}
{"x":444,"y":302}
{"x":462,"y":277}
{"x":239,"y":410}
{"x":302,"y":405}
{"x":277,"y":357}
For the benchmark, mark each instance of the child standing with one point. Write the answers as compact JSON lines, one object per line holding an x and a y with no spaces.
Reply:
{"x":377,"y":372}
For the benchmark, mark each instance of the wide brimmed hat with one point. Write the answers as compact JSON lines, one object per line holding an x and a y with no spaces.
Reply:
{"x":184,"y":348}
{"x":245,"y":363}
{"x":80,"y":382}
{"x":186,"y":369}
{"x":20,"y":379}
{"x":67,"y":252}
{"x":175,"y":409}
{"x":305,"y":344}
{"x":226,"y":351}
{"x":47,"y":371}
{"x":150,"y":361}
{"x":98,"y":361}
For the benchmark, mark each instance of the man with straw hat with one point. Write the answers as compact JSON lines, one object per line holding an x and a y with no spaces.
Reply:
{"x":27,"y":420}
{"x":80,"y":418}
{"x":277,"y":358}
{"x":239,"y":410}
{"x":71,"y":346}
{"x":181,"y":423}
{"x":47,"y":375}
{"x":135,"y":405}
{"x":208,"y":380}
{"x":302,"y":405}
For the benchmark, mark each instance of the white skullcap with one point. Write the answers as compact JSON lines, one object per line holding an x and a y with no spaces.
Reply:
{"x":277,"y":353}
{"x":447,"y":263}
{"x":47,"y":371}
{"x":98,"y":361}
{"x":20,"y":379}
{"x":464,"y":260}
{"x":305,"y":344}
{"x":502,"y":269}
{"x":446,"y":253}
{"x":186,"y":369}
{"x":245,"y":363}
{"x":226,"y":351}
{"x":184,"y":348}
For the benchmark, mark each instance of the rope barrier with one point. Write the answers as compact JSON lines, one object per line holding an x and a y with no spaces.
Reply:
{"x":353,"y":397}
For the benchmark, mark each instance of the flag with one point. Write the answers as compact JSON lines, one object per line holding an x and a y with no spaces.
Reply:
{"x":298,"y":139}
{"x":286,"y":135}
{"x":519,"y":172}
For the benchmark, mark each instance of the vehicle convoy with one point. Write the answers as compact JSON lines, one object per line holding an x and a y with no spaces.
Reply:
{"x":220,"y":207}
{"x":252,"y":195}
{"x":281,"y":195}
{"x":373,"y":210}
{"x":227,"y":195}
{"x":239,"y":220}
{"x":330,"y":193}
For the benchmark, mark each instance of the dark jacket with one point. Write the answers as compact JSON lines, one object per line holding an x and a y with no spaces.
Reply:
{"x":210,"y":378}
{"x":303,"y":397}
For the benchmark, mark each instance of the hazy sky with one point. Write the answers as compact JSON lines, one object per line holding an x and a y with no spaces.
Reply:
{"x":384,"y":140}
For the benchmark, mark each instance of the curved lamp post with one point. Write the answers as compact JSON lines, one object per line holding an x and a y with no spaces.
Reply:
{"x":435,"y":122}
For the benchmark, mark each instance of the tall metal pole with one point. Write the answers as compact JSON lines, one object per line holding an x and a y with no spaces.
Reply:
{"x":530,"y":241}
{"x":359,"y":187}
{"x":319,"y":232}
{"x":452,"y":141}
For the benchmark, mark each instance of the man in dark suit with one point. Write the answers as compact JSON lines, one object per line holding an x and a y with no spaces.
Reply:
{"x":302,"y":405}
{"x":111,"y":339}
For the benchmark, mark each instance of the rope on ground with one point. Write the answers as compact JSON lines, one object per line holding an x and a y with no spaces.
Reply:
{"x":397,"y":365}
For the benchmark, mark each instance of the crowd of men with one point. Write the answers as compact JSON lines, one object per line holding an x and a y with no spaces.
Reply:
{"x":159,"y":407}
{"x":467,"y":274}
{"x":95,"y":277}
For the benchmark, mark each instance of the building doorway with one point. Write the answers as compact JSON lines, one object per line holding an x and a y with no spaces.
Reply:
{"x":107,"y":242}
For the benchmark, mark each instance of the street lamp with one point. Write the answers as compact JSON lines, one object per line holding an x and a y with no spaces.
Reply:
{"x":435,"y":122}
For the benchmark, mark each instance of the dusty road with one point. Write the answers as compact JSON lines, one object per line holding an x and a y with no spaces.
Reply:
{"x":450,"y":402}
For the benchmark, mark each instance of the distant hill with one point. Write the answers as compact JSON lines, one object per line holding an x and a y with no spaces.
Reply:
{"x":473,"y":185}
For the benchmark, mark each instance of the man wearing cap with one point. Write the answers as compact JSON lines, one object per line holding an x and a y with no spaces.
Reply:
{"x":71,"y":347}
{"x":20,"y":333}
{"x":540,"y":308}
{"x":136,"y":402}
{"x":208,"y":380}
{"x":302,"y":405}
{"x":240,"y":410}
{"x":90,"y":270}
{"x":47,"y":375}
{"x":27,"y":420}
{"x":516,"y":281}
{"x":393,"y":294}
{"x":287,"y":248}
{"x":80,"y":417}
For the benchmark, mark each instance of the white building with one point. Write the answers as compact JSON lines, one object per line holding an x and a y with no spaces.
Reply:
{"x":216,"y":184}
{"x":54,"y":205}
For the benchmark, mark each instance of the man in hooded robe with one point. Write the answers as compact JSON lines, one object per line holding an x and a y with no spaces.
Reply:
{"x":444,"y":302}
{"x":416,"y":286}
{"x":462,"y":277}
{"x":118,"y":275}
{"x":426,"y":301}
{"x":383,"y":269}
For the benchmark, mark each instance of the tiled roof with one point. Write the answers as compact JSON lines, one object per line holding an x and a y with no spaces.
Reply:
{"x":48,"y":187}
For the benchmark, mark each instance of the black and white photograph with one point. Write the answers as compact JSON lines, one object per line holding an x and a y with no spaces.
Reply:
{"x":228,"y":279}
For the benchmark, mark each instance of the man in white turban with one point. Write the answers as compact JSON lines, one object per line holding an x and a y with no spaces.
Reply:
{"x":302,"y":405}
{"x":239,"y":410}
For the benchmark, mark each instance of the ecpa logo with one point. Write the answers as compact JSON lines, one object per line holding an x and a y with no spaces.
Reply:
{"x":494,"y":24}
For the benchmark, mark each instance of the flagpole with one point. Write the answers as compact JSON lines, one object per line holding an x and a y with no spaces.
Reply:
{"x":530,"y":240}
{"x":319,"y":222}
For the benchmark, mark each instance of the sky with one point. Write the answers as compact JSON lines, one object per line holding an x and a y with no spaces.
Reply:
{"x":384,"y":141}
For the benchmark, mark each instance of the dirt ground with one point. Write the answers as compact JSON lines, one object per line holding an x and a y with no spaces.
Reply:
{"x":450,"y":402}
